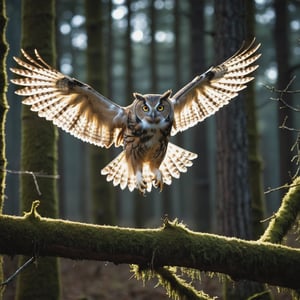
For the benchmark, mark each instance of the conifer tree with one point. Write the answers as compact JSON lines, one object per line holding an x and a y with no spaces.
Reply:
{"x":103,"y":196}
{"x":39,"y":154}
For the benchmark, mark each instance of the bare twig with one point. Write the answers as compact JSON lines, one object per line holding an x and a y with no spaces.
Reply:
{"x":296,"y":158}
{"x":268,"y":218}
{"x":296,"y":146}
{"x":34,"y":175}
{"x":20,"y":269}
{"x":286,"y":90}
{"x":283,"y":126}
{"x":285,"y":186}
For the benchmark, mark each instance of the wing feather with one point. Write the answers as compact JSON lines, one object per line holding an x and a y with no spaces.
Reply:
{"x":69,"y":103}
{"x":207,"y":93}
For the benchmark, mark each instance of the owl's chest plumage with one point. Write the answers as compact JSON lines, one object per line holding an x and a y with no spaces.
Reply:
{"x":146,"y":142}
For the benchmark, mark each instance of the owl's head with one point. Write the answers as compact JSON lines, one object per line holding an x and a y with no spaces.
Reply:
{"x":154,"y":109}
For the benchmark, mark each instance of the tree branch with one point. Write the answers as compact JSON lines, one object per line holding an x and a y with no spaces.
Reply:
{"x":170,"y":245}
{"x":286,"y":215}
{"x":178,"y":288}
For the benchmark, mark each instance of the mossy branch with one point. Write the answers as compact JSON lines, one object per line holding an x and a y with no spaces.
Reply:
{"x":286,"y":216}
{"x":170,"y":245}
{"x":178,"y":288}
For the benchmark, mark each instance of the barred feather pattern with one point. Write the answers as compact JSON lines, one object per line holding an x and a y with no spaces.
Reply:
{"x":69,"y":104}
{"x":207,"y":93}
{"x":176,"y":161}
{"x":144,"y":127}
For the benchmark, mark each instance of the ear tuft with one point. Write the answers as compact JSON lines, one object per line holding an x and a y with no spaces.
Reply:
{"x":166,"y":94}
{"x":139,"y":96}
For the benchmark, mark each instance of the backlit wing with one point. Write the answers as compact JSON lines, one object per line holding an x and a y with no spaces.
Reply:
{"x":208,"y":92}
{"x":69,"y":103}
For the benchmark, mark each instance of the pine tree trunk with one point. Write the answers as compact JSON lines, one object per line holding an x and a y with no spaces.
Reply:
{"x":140,"y":209}
{"x":202,"y":208}
{"x":234,"y":195}
{"x":232,"y":142}
{"x":255,"y":160}
{"x":39,"y":153}
{"x":103,"y":196}
{"x":3,"y":112}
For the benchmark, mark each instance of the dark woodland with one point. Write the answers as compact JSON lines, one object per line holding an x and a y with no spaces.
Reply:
{"x":228,"y":228}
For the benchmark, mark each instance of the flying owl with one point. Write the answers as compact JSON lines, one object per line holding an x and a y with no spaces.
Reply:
{"x":142,"y":128}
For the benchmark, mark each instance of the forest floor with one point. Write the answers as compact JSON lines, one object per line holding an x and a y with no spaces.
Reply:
{"x":93,"y":280}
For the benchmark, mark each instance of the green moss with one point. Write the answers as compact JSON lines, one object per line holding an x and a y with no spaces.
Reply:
{"x":286,"y":216}
{"x":33,"y":215}
{"x":38,"y":154}
{"x":176,"y":287}
{"x":152,"y":249}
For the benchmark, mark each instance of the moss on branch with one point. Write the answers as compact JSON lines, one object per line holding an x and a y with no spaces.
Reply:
{"x":177,"y":287}
{"x":170,"y":245}
{"x":286,"y":216}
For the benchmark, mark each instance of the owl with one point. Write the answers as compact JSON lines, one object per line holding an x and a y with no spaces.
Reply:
{"x":142,"y":128}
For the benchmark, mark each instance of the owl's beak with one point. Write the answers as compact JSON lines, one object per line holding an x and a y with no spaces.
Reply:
{"x":153,"y":118}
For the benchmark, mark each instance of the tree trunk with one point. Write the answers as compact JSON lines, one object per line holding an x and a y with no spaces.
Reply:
{"x":103,"y":196}
{"x":234,"y":196}
{"x":254,"y":158}
{"x":153,"y":50}
{"x":3,"y":112}
{"x":39,"y":153}
{"x":232,"y":142}
{"x":202,"y":208}
{"x":140,"y":210}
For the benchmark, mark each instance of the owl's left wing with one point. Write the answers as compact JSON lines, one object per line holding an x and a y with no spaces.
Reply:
{"x":69,"y":103}
{"x":208,"y":92}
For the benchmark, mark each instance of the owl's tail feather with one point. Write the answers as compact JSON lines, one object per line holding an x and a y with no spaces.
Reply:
{"x":175,"y":162}
{"x":119,"y":173}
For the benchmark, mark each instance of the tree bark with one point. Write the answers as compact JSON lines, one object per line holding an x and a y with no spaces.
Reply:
{"x":39,"y":152}
{"x":232,"y":152}
{"x":170,"y":245}
{"x":103,"y":196}
{"x":234,"y":194}
{"x":202,"y":208}
{"x":254,"y":157}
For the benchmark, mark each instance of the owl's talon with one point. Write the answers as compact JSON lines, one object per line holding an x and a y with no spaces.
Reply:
{"x":158,"y":184}
{"x":142,"y":188}
{"x":141,"y":183}
{"x":157,"y":180}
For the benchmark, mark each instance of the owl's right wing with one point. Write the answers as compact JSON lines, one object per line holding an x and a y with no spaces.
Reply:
{"x":68,"y":103}
{"x":208,"y":92}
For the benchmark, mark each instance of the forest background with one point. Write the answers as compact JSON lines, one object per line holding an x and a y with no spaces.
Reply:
{"x":172,"y":63}
{"x":148,"y":48}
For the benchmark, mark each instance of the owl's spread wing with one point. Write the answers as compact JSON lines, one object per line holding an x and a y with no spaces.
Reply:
{"x":69,"y":103}
{"x":208,"y":92}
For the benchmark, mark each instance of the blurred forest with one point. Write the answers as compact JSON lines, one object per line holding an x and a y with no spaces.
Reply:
{"x":148,"y":48}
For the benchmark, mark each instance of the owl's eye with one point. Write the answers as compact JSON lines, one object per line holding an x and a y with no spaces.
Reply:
{"x":160,"y":107}
{"x":145,"y":108}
